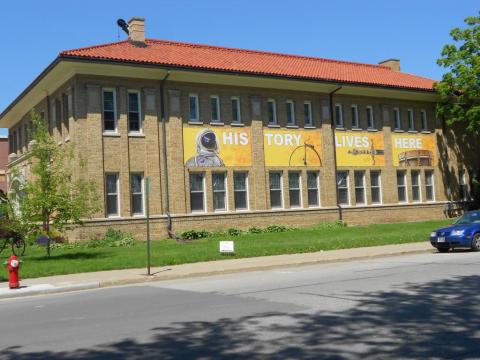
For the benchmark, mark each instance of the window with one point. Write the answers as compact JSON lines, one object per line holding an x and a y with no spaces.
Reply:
{"x":276,"y":198}
{"x":197,"y":198}
{"x":411,"y":121}
{"x":240,"y":190}
{"x":402,"y":186}
{"x":136,"y":183}
{"x":307,"y":110}
{"x":429,"y":186}
{"x":26,"y":133}
{"x":423,"y":116}
{"x":236,"y":113}
{"x":355,"y":123}
{"x":338,"y":116}
{"x":272,"y":112}
{"x":312,"y":187}
{"x":219,"y":191}
{"x":15,"y":141}
{"x":290,"y":112}
{"x":134,"y":111}
{"x":397,"y":122}
{"x":416,"y":192}
{"x":376,"y":187}
{"x":359,"y":179}
{"x":215,"y":108}
{"x":295,"y":189}
{"x":370,"y":118}
{"x":342,"y":186}
{"x":10,"y":143}
{"x":111,"y":190}
{"x":193,"y":108}
{"x":464,"y":196}
{"x":65,"y":113}
{"x":58,"y":116}
{"x":109,"y":111}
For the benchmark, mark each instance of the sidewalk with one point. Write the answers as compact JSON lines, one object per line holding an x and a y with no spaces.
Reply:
{"x":83,"y":281}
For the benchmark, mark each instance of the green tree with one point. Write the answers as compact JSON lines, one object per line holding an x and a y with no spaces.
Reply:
{"x":459,"y":88}
{"x":50,"y":198}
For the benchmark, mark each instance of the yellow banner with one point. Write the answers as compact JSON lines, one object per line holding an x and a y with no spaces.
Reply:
{"x":216,"y":146}
{"x":414,"y":150}
{"x":359,"y":148}
{"x":285,"y":147}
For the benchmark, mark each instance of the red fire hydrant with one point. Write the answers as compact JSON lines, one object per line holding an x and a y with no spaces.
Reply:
{"x":13,"y":265}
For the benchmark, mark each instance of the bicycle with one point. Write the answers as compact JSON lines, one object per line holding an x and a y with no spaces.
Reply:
{"x":16,"y":240}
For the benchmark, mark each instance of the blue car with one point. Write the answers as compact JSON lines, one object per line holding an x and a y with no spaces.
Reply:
{"x":463,"y":233}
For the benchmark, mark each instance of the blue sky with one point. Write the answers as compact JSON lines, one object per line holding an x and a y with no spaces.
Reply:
{"x":413,"y":31}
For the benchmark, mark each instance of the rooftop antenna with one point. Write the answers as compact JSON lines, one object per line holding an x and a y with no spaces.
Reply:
{"x":123,"y":25}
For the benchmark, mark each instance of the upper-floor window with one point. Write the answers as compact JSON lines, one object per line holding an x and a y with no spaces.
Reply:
{"x":397,"y":122}
{"x":370,"y":117}
{"x":236,"y":112}
{"x":290,"y":112}
{"x":423,"y":117}
{"x":355,"y":122}
{"x":338,"y":116}
{"x":109,"y":110}
{"x":215,"y":108}
{"x":134,"y":122}
{"x":193,"y":108}
{"x":307,"y":110}
{"x":272,"y":112}
{"x":411,"y":120}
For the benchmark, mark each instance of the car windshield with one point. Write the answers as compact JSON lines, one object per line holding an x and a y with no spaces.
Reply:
{"x":468,"y":218}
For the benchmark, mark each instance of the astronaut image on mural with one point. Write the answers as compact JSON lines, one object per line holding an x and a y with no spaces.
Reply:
{"x":207,"y":151}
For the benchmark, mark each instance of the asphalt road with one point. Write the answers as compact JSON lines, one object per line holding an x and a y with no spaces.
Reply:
{"x":418,"y":306}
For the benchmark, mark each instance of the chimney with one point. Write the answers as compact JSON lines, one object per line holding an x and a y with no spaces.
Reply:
{"x":393,"y":64}
{"x":136,"y":31}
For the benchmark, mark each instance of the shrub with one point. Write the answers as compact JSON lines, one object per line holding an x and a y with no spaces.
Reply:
{"x":276,"y":229}
{"x":112,"y":238}
{"x":255,"y":230}
{"x":195,"y":234}
{"x":234,"y":232}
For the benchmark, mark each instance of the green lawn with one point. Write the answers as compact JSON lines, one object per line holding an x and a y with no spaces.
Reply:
{"x":169,"y":252}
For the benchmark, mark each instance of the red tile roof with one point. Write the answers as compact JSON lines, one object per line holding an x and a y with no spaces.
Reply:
{"x":215,"y":58}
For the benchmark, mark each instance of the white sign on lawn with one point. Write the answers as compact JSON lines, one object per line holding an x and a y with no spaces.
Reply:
{"x":226,"y":247}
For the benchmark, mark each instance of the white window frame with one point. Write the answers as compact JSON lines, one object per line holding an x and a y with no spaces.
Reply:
{"x":197,"y":108}
{"x":116,"y":174}
{"x":239,"y":109}
{"x":419,"y":184}
{"x":140,"y":125}
{"x":317,"y":189}
{"x":347,"y":187}
{"x":142,"y":193}
{"x":114,"y":92}
{"x":411,"y":120}
{"x":308,"y":105}
{"x":371,"y":118}
{"x":246,"y":191}
{"x":290,"y":107}
{"x":354,"y":110}
{"x":339,"y":123}
{"x":423,"y":120}
{"x":212,"y":120}
{"x":397,"y":117}
{"x":431,"y":174}
{"x":379,"y":186}
{"x":364,"y":201}
{"x":405,"y":185}
{"x":282,"y":205}
{"x":299,"y":189}
{"x":204,"y":205}
{"x":274,"y":113}
{"x":225,"y":191}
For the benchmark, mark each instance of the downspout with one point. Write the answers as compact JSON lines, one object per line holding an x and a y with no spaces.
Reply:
{"x":164,"y":153}
{"x":335,"y":167}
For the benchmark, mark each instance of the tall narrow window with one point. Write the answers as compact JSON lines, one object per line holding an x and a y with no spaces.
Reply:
{"x":342,"y":186}
{"x":355,"y":122}
{"x":111,"y":190}
{"x":295,"y":189}
{"x":307,"y":110}
{"x":423,"y":115}
{"x":240,"y":189}
{"x":20,"y":138}
{"x":290,"y":112}
{"x":312,"y":187}
{"x":236,"y":113}
{"x":338,"y":116}
{"x":272,"y":112}
{"x":416,"y":192}
{"x":402,"y":186}
{"x":58,"y":115}
{"x":397,"y":122}
{"x":15,"y":141}
{"x":376,"y":186}
{"x":370,"y":118}
{"x":276,"y":198}
{"x":411,"y":120}
{"x":429,"y":186}
{"x":197,"y":198}
{"x":215,"y":108}
{"x":219,"y":191}
{"x":359,"y":179}
{"x":66,"y":114}
{"x":134,"y":111}
{"x":10,"y":143}
{"x":193,"y":108}
{"x":136,"y":183}
{"x":464,"y":196}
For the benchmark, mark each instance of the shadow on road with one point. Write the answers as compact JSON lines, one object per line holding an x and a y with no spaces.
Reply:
{"x":439,"y":319}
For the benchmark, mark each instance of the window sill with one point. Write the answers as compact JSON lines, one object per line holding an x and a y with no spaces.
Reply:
{"x":413,"y":131}
{"x":426,"y":132}
{"x":191,"y":122}
{"x":112,"y":134}
{"x":114,"y":217}
{"x":237,"y":124}
{"x":340,"y":128}
{"x":273,"y":125}
{"x":292,"y":126}
{"x":372,"y":130}
{"x":309,"y":127}
{"x":137,"y":135}
{"x":398,"y":130}
{"x":357,"y":129}
{"x":217,"y":123}
{"x":138,"y":216}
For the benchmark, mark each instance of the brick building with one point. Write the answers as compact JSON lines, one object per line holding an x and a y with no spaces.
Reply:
{"x":232,"y":137}
{"x":3,"y":162}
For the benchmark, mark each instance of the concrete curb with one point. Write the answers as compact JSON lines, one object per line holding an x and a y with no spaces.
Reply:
{"x":32,"y":291}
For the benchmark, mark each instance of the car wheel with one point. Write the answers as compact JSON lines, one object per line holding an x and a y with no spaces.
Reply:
{"x":476,"y":242}
{"x":443,"y":249}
